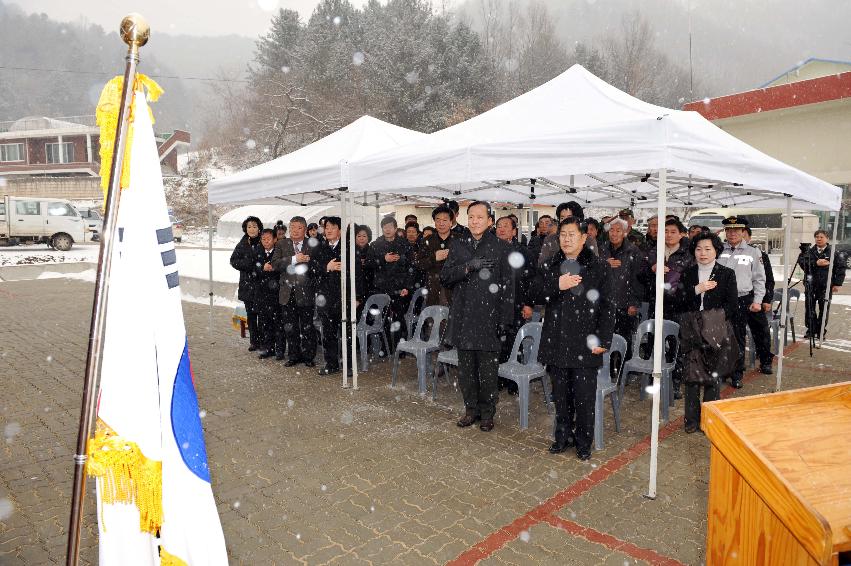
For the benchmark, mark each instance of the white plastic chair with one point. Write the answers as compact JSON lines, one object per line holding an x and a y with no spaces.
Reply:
{"x":607,"y":386}
{"x":644,"y":366}
{"x":523,"y":372}
{"x":375,"y":307}
{"x":422,"y":347}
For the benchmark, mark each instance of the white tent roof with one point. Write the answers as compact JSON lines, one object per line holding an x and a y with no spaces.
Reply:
{"x":320,"y":166}
{"x":610,"y":142}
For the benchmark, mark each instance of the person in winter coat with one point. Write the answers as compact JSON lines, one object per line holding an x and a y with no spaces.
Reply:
{"x":388,"y":257}
{"x":266,"y":300}
{"x":479,"y":275}
{"x":543,"y":228}
{"x":551,"y":242}
{"x":677,"y":259}
{"x":626,"y":261}
{"x":243,"y":259}
{"x":578,"y":328}
{"x":522,"y":279}
{"x":707,"y":302}
{"x":815,"y":263}
{"x":363,"y":235}
{"x":297,"y":292}
{"x":433,"y":253}
{"x":328,"y":265}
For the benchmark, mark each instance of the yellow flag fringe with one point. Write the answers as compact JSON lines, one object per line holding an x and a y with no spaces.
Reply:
{"x":106,"y":115}
{"x":125,"y":475}
{"x":167,"y":559}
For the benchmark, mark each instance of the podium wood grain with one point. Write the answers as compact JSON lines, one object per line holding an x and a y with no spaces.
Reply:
{"x":780,"y":477}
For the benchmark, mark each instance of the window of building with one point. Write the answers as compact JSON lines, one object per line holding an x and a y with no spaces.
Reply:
{"x":12,"y":152}
{"x":59,"y":152}
{"x":28,"y":207}
{"x":2,"y":209}
{"x":60,"y":209}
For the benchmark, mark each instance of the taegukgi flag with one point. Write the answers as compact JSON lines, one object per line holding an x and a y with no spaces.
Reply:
{"x":155,"y":501}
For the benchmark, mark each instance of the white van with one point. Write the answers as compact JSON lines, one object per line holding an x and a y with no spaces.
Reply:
{"x":51,"y":220}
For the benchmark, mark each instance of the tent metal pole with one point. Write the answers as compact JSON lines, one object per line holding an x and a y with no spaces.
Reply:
{"x":829,"y":289}
{"x":343,"y":285}
{"x":210,"y":261}
{"x":377,"y":230}
{"x":781,"y":330}
{"x":353,"y":310}
{"x":657,"y":334}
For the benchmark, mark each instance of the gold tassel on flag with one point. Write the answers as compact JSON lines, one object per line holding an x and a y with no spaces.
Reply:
{"x":125,"y":475}
{"x":106,"y":115}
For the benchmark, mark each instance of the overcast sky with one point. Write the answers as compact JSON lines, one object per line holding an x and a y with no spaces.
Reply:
{"x":196,"y":17}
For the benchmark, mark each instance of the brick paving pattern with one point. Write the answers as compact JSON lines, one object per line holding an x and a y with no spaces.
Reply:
{"x":306,"y":472}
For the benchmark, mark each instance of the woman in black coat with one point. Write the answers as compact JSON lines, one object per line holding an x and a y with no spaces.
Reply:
{"x":706,"y":301}
{"x":578,"y":327}
{"x":244,"y":259}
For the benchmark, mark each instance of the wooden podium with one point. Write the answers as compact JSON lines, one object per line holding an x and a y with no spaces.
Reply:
{"x":780,"y":477}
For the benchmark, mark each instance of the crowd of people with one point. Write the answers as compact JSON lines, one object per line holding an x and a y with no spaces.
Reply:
{"x":586,"y":278}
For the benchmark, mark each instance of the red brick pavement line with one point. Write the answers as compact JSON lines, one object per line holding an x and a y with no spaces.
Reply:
{"x":546,"y":510}
{"x":647,"y":555}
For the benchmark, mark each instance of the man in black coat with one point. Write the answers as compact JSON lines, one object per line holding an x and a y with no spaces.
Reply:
{"x":577,"y":332}
{"x":522,"y":278}
{"x":478,"y":272}
{"x":266,"y":298}
{"x":297,"y":292}
{"x":543,"y":228}
{"x":627,"y":262}
{"x":328,"y":264}
{"x":392,"y":274}
{"x":815,"y":263}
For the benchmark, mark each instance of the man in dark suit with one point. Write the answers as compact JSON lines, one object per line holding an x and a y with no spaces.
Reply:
{"x":478,"y":272}
{"x":388,"y":257}
{"x":297,"y":293}
{"x":328,"y":266}
{"x":266,"y":299}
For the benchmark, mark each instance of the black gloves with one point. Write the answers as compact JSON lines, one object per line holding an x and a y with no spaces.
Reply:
{"x":479,"y":263}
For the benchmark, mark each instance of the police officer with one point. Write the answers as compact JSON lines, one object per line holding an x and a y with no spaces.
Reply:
{"x":746,"y":261}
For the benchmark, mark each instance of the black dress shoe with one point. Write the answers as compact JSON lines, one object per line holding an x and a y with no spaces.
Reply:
{"x":266,"y":354}
{"x":766,"y":369}
{"x":737,"y":383}
{"x":486,"y":426}
{"x":328,"y":371}
{"x":678,"y":394}
{"x":280,"y":357}
{"x":309,"y":363}
{"x":583,"y":455}
{"x":691,"y":428}
{"x":558,"y":446}
{"x":291,"y":363}
{"x":467,"y":420}
{"x":252,"y":348}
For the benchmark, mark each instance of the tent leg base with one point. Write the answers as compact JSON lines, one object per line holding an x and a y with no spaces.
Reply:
{"x":648,"y":496}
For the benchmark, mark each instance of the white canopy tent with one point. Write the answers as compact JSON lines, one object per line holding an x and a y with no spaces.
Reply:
{"x":573,"y":138}
{"x":311,"y":177}
{"x":578,"y":138}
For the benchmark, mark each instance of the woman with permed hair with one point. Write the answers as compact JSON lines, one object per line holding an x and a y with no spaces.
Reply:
{"x":244,"y":260}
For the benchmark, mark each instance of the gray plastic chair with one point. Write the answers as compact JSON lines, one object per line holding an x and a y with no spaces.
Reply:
{"x":422,"y":346}
{"x":606,"y":386}
{"x":445,"y":358}
{"x":522,"y":373}
{"x":376,"y":306}
{"x":644,"y":366}
{"x":418,"y":300}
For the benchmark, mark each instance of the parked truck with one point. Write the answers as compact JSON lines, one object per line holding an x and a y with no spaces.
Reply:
{"x":34,"y":219}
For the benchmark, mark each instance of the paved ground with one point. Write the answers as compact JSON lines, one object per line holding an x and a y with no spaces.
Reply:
{"x":306,"y":472}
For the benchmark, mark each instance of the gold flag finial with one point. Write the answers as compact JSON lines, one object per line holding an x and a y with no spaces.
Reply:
{"x":135,"y":30}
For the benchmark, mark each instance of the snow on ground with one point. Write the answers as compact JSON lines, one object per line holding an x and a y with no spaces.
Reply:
{"x":88,"y":275}
{"x":32,"y":254}
{"x":194,"y":262}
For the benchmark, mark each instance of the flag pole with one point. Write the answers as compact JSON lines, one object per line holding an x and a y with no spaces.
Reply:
{"x":134,"y":31}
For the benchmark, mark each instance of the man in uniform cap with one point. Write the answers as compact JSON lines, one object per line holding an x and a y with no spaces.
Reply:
{"x":746,"y":261}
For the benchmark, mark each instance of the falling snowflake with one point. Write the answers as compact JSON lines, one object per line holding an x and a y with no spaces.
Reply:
{"x":337,"y":20}
{"x":6,"y":508}
{"x":524,"y":536}
{"x":493,"y":288}
{"x":357,"y":58}
{"x":321,"y":301}
{"x":347,"y":418}
{"x":516,"y":260}
{"x":250,"y":144}
{"x":290,"y":404}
